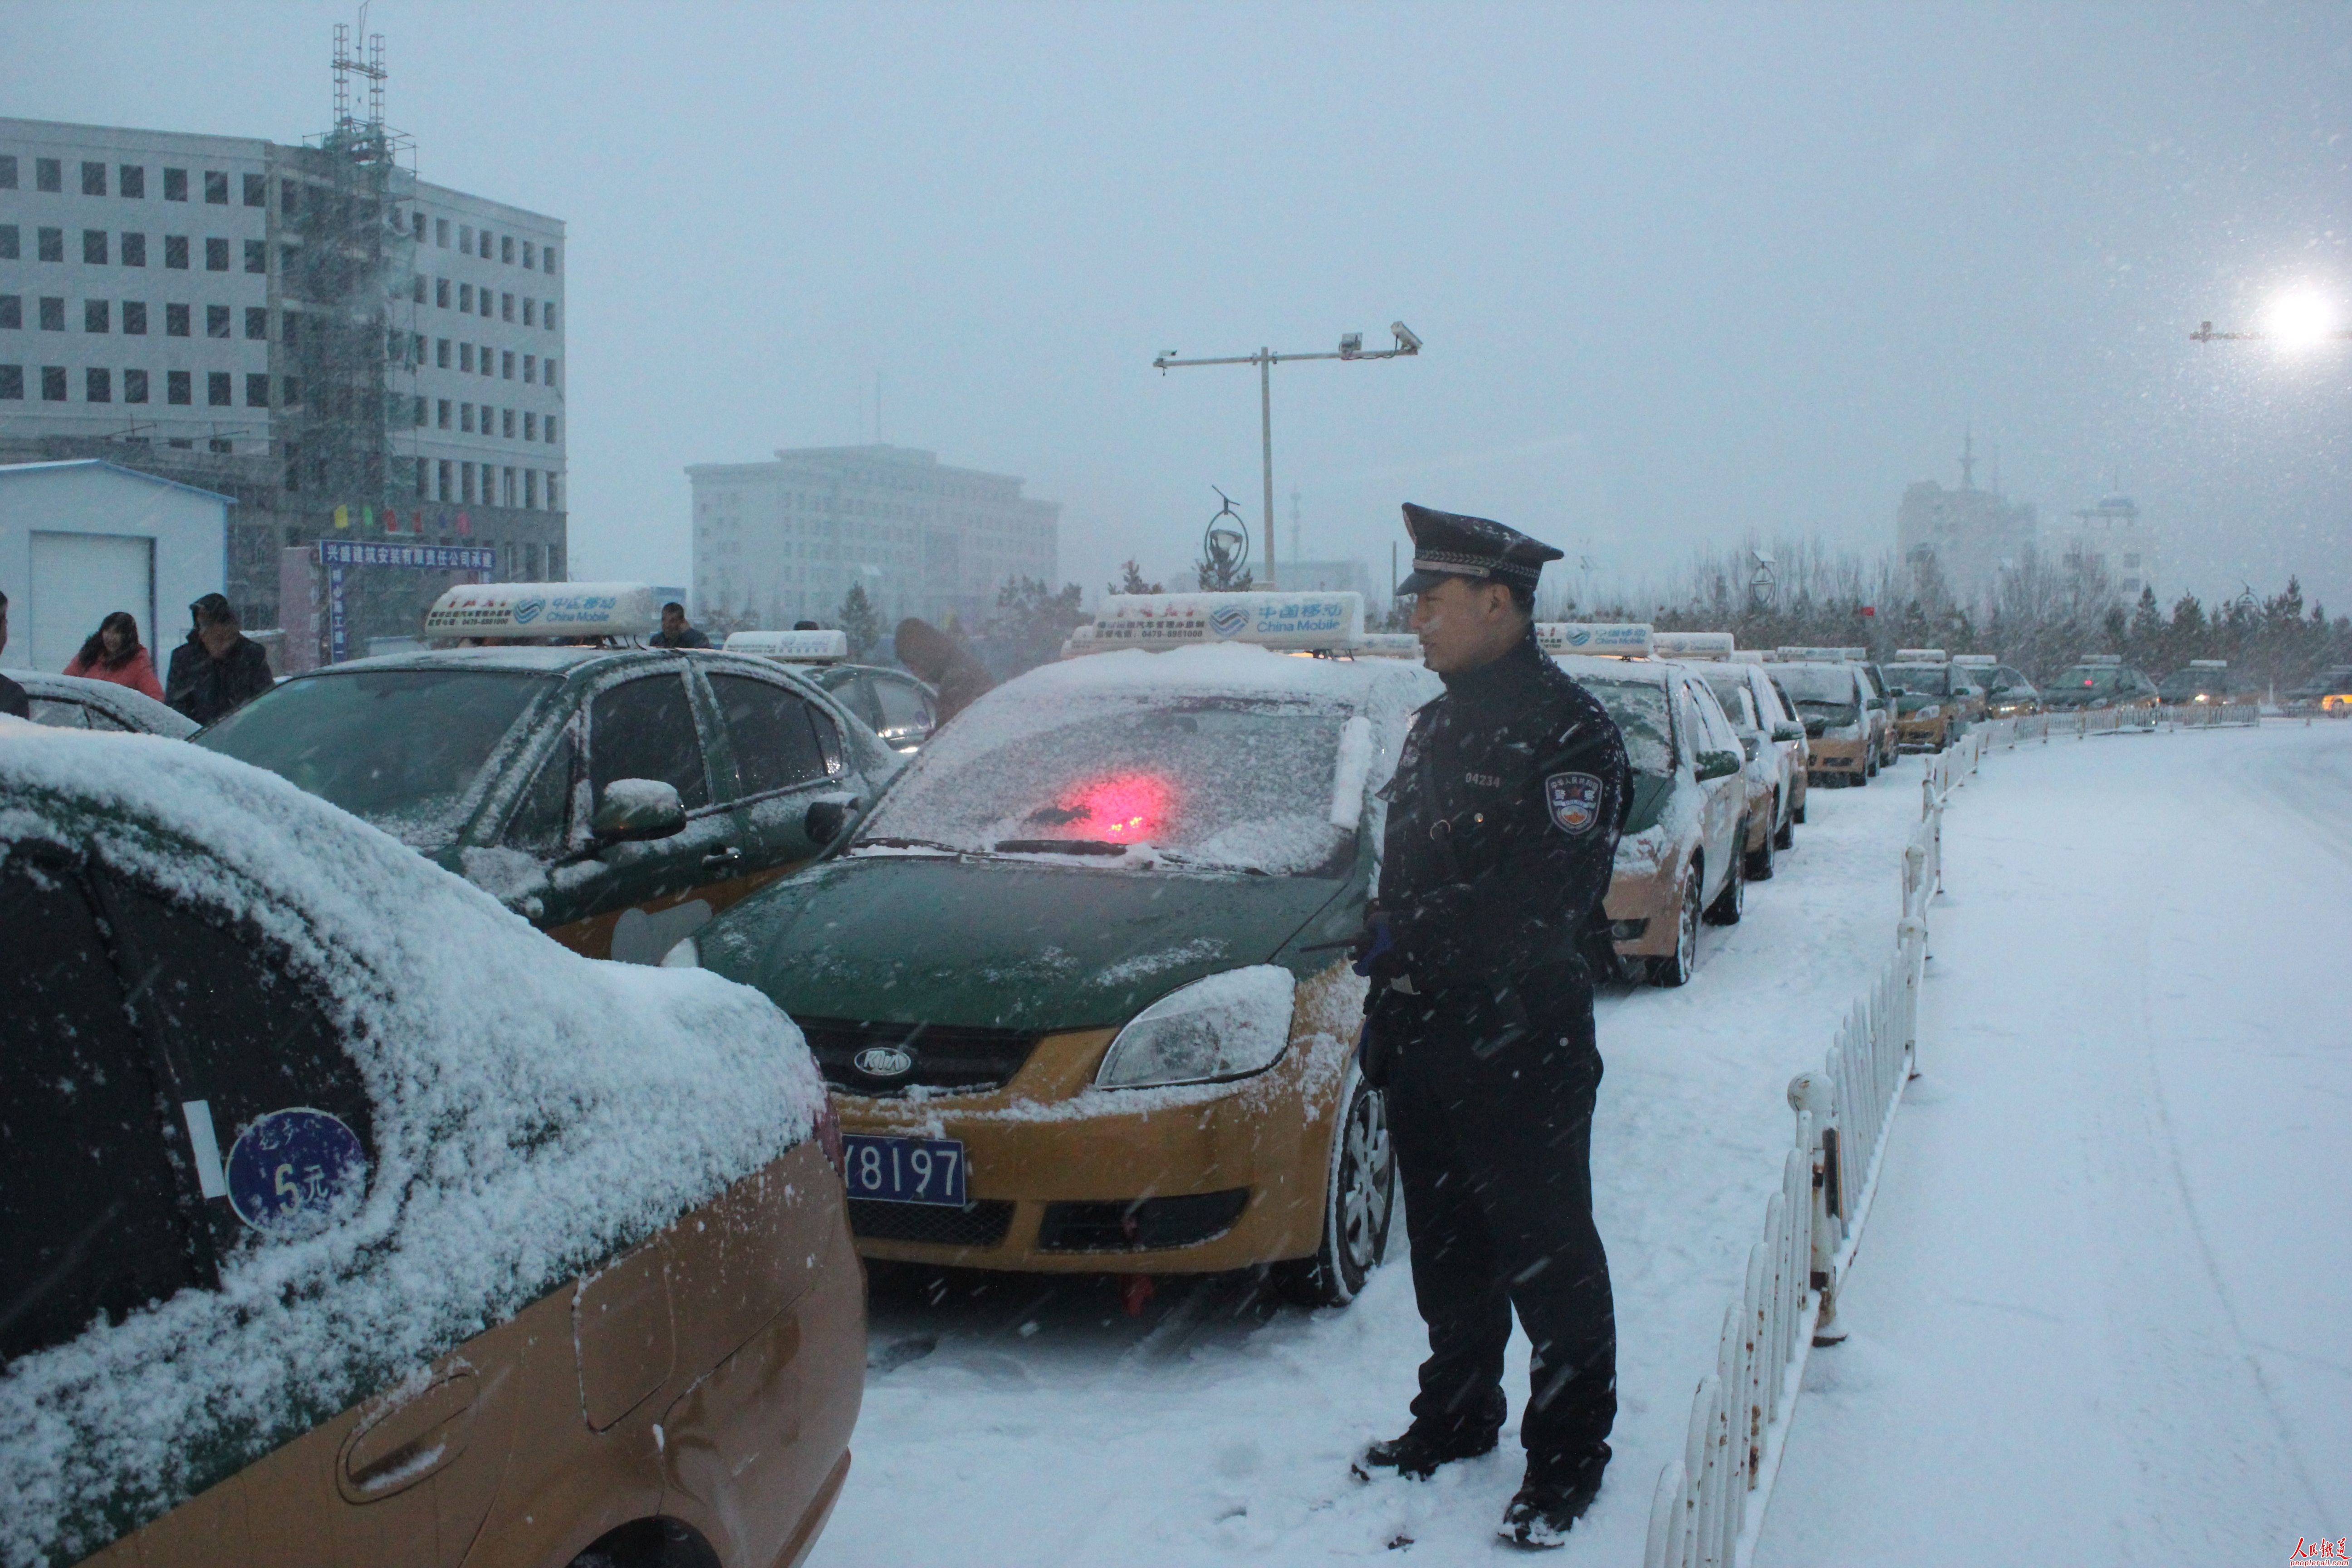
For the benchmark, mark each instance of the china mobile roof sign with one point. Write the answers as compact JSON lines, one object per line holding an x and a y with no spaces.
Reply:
{"x":793,"y":647}
{"x":543,"y":609}
{"x":1267,"y":620}
{"x":1617,"y":640}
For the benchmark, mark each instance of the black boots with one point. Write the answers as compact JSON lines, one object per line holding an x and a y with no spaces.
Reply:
{"x":1552,"y":1499}
{"x":1420,"y":1449}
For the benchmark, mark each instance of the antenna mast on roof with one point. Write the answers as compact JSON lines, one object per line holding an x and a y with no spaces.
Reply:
{"x":1968,"y":459}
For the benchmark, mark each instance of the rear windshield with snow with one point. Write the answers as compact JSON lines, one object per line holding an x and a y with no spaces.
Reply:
{"x":1231,"y":783}
{"x":1921,"y":679}
{"x":1818,"y":691}
{"x":1640,"y":709}
{"x":403,"y":748}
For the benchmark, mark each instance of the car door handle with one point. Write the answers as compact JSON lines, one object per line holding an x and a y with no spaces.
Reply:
{"x":722,"y":858}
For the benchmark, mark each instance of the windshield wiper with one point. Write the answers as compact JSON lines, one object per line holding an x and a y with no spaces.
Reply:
{"x":908,"y":844}
{"x":1060,"y":847}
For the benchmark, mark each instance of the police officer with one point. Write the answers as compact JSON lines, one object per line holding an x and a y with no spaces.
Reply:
{"x":1505,"y":811}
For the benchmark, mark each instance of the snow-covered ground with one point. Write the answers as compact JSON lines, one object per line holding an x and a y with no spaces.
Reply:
{"x":1025,"y":1420}
{"x":2099,"y":1314}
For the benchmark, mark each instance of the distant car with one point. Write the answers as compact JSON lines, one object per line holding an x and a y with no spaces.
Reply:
{"x":351,"y":1221}
{"x":2098,"y":682}
{"x":1934,"y":703}
{"x":1080,"y":980}
{"x":2329,"y":692}
{"x":77,"y":702}
{"x":1679,"y":861}
{"x":2008,"y":694}
{"x":1774,"y":742}
{"x":1832,"y":701}
{"x":617,"y":798}
{"x":896,"y":706}
{"x":1879,"y":708}
{"x":2197,"y":683}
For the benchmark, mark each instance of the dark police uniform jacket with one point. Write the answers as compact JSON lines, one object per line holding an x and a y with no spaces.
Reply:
{"x":1504,"y":815}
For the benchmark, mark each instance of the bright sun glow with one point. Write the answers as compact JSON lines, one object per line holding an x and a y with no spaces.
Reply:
{"x":2300,"y":320}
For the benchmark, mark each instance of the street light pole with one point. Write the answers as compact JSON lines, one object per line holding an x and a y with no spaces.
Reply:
{"x":1351,"y":347}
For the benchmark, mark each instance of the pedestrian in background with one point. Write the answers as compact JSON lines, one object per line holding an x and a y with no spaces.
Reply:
{"x":1508,"y":800}
{"x":219,"y":669}
{"x":942,"y":663}
{"x":676,"y":632}
{"x":113,"y":653}
{"x":13,"y":698}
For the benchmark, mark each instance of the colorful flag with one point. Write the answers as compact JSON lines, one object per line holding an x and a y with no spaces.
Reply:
{"x":343,"y":516}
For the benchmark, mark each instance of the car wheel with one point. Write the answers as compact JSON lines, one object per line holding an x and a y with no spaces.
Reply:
{"x":1760,"y":860}
{"x":1732,"y":902}
{"x":1676,"y":967}
{"x":1870,"y":769}
{"x":1787,"y":838}
{"x":1360,"y":1201}
{"x":1859,"y":777}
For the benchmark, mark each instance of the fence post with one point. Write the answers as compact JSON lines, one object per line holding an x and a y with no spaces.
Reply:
{"x":1810,"y":1096}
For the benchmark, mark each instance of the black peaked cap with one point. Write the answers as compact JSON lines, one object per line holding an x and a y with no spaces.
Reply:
{"x":1451,"y":544}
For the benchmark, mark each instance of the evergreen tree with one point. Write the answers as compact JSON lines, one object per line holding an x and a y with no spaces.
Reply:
{"x":1032,"y":622}
{"x":858,"y":619}
{"x":1130,"y":580}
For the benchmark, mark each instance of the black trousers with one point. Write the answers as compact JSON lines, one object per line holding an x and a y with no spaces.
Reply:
{"x":1490,"y":1097}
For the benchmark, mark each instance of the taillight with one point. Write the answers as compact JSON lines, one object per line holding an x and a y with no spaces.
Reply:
{"x":828,"y":1134}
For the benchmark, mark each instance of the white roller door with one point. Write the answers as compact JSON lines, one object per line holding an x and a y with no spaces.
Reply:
{"x":77,"y":579}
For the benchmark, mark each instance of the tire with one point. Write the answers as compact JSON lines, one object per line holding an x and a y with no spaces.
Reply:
{"x":1358,"y":1203}
{"x":1797,"y":817}
{"x":1786,"y":838}
{"x":1758,"y":865}
{"x":1732,"y":902}
{"x":1858,"y":780}
{"x":1870,"y":769}
{"x":1676,"y":967}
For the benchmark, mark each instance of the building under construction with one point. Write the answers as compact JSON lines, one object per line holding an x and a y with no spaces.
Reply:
{"x":370,"y":364}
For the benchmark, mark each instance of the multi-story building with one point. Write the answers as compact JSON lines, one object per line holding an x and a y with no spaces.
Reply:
{"x":2110,"y":542}
{"x":1970,"y":535}
{"x":780,"y":542}
{"x":350,"y":352}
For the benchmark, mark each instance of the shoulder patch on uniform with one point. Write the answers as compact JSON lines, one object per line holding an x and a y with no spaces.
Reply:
{"x":1575,"y":801}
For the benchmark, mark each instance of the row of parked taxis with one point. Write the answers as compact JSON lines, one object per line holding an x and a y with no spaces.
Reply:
{"x":354,"y":1220}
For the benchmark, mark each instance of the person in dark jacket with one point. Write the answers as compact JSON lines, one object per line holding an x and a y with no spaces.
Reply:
{"x":14,"y":701}
{"x":676,"y":632}
{"x":944,"y":664}
{"x":1508,"y":801}
{"x":219,"y":669}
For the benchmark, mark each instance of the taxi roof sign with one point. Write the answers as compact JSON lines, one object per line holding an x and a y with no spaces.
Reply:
{"x":1825,"y":655}
{"x":1750,"y":656}
{"x":2208,"y":664}
{"x":2102,"y":658}
{"x":1921,"y":656}
{"x":1609,"y":639}
{"x":544,"y":610}
{"x":1976,"y":661}
{"x":793,"y":647}
{"x":1389,"y":645}
{"x":1693,"y":645}
{"x":1314,"y":620}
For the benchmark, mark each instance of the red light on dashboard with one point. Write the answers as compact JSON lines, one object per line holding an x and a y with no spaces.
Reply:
{"x":1126,"y":810}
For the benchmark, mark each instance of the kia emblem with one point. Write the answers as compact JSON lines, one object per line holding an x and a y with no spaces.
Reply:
{"x":885,"y":1062}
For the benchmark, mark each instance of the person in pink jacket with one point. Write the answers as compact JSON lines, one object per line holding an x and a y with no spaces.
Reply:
{"x":112,"y":653}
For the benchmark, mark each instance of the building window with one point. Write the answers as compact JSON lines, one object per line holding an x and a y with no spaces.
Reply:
{"x":96,"y":386}
{"x":217,"y":187}
{"x":505,"y":249}
{"x":505,"y":428}
{"x":529,"y":256}
{"x":11,"y":238}
{"x":256,"y":322}
{"x":506,"y":364}
{"x":12,"y":311}
{"x":551,"y":435}
{"x":441,"y":292}
{"x":218,"y":391}
{"x":482,"y":359}
{"x":176,"y":251}
{"x":256,"y":191}
{"x":416,"y":350}
{"x":446,"y":478}
{"x":485,"y":251}
{"x":466,"y":476}
{"x":465,"y":237}
{"x":134,"y":386}
{"x":132,"y":184}
{"x":53,"y":244}
{"x":289,"y":197}
{"x":220,"y":444}
{"x":416,"y":288}
{"x":97,"y":316}
{"x":53,"y":314}
{"x":134,"y":320}
{"x":506,"y":303}
{"x":256,"y":255}
{"x":12,"y":377}
{"x":53,"y":376}
{"x":550,"y":369}
{"x":216,"y":321}
{"x":530,"y":490}
{"x":216,"y":254}
{"x":416,"y":418}
{"x":466,"y":357}
{"x":93,"y":178}
{"x":552,"y":504}
{"x":466,"y":297}
{"x":134,"y":250}
{"x":529,"y":312}
{"x":8,"y":183}
{"x":547,"y":315}
{"x":466,"y":417}
{"x":530,"y":368}
{"x":441,"y":416}
{"x":176,"y":320}
{"x":176,"y":387}
{"x":93,"y":245}
{"x":530,"y":426}
{"x":441,"y":353}
{"x":441,"y":238}
{"x":507,"y":489}
{"x":549,"y":256}
{"x":293,"y":390}
{"x":49,"y":174}
{"x":175,"y":184}
{"x":416,"y":231}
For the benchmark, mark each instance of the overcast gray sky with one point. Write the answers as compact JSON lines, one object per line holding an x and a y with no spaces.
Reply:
{"x":1683,"y":271}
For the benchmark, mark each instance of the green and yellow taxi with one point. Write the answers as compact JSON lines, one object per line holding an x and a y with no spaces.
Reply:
{"x":1079,"y":981}
{"x":1934,"y":699}
{"x":2099,"y":680}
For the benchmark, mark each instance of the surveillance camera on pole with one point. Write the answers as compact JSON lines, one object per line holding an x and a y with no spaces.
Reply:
{"x":1351,"y":347}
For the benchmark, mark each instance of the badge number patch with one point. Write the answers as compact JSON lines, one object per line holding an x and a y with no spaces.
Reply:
{"x":1575,"y":801}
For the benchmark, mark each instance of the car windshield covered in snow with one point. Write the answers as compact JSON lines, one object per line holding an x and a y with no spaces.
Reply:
{"x":401,"y":748}
{"x":1820,"y":692}
{"x":1231,"y":782}
{"x":1921,"y":679}
{"x":2097,"y":679}
{"x":1640,"y":708}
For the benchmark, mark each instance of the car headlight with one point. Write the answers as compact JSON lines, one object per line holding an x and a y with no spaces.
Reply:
{"x":1933,"y":710}
{"x":1227,"y":1025}
{"x":684,"y":955}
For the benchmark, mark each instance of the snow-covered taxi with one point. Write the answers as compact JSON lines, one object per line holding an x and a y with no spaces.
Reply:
{"x":77,"y":702}
{"x":1679,"y":859}
{"x":1871,"y":744}
{"x":1832,"y":700}
{"x":614,"y":795}
{"x":1771,"y":741}
{"x":1934,"y":699}
{"x":351,"y":1221}
{"x":899,"y":708}
{"x":1080,"y":980}
{"x":2099,"y":680}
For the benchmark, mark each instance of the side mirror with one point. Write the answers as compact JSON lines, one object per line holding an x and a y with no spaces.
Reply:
{"x":827,"y":820}
{"x":1748,"y":746}
{"x":1716,"y":764}
{"x":1787,"y":731}
{"x":1878,"y":704}
{"x":633,"y":810}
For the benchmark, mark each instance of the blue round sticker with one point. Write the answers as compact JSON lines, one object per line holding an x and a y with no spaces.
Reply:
{"x":292,"y":1169}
